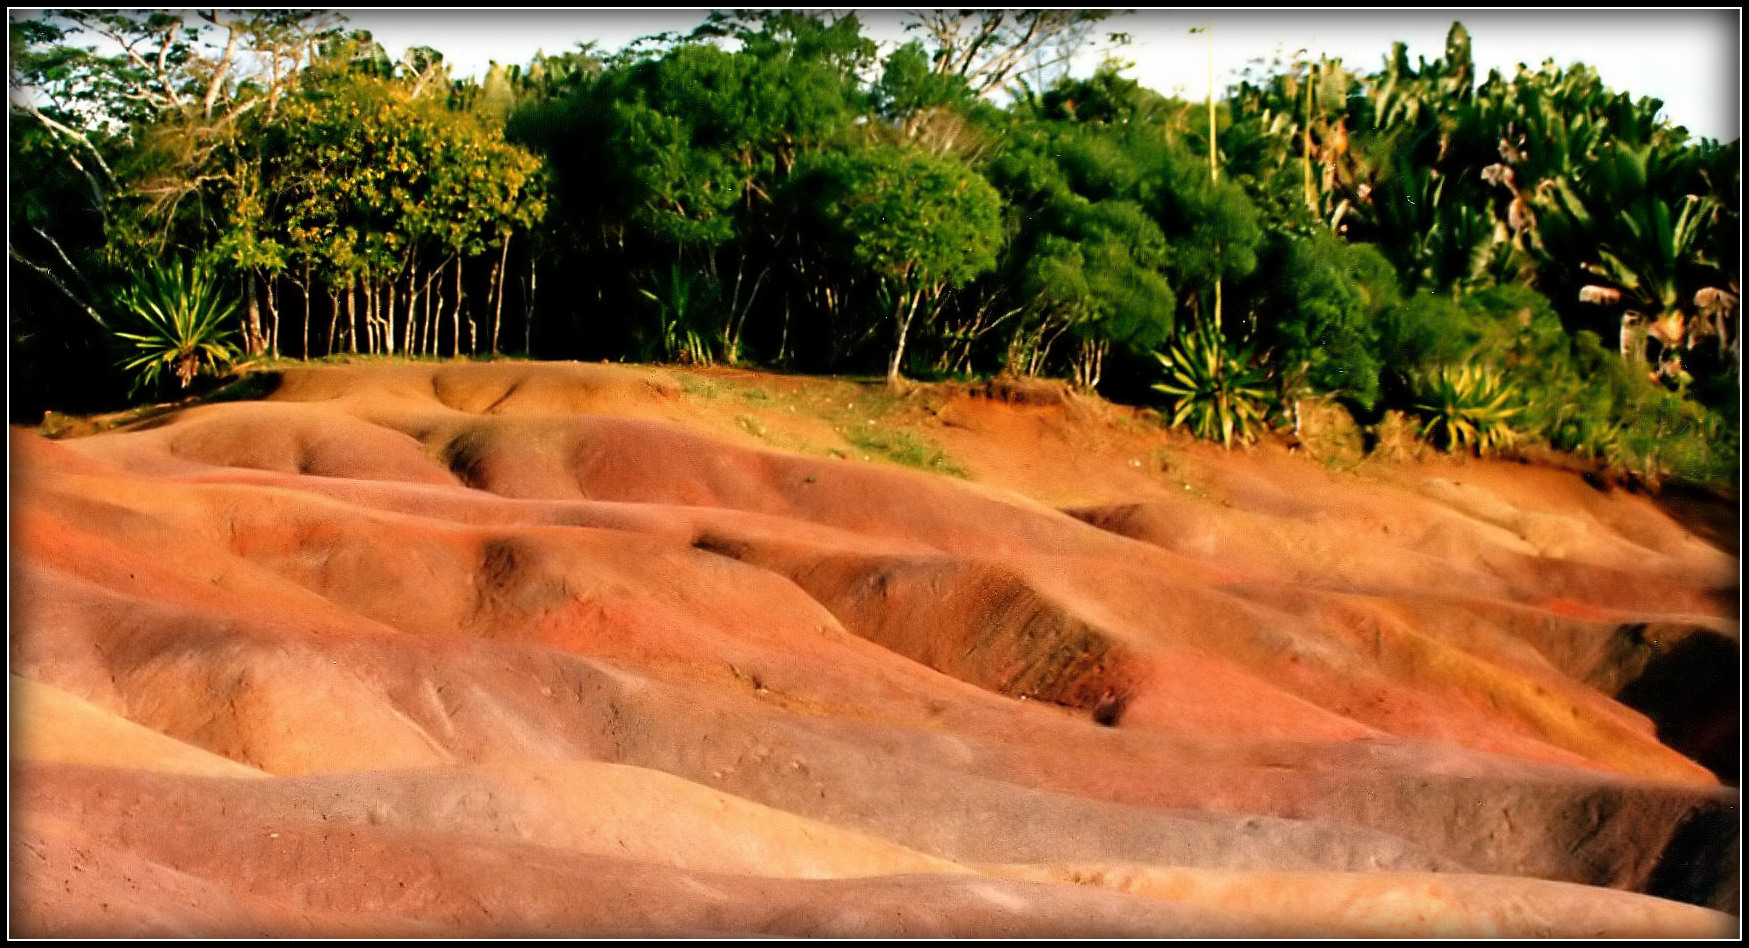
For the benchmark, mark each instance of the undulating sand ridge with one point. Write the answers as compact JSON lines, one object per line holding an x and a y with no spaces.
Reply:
{"x":545,"y":649}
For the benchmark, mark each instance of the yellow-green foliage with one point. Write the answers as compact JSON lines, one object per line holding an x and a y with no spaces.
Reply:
{"x":903,"y":447}
{"x":1466,"y":408}
{"x":1219,"y":392}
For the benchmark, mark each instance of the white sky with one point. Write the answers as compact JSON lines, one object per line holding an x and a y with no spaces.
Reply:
{"x":1690,"y":58}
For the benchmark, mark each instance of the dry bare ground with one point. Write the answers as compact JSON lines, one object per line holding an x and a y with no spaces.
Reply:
{"x":559,"y":649}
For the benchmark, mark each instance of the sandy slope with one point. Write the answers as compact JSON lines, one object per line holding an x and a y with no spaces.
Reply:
{"x":567,"y":649}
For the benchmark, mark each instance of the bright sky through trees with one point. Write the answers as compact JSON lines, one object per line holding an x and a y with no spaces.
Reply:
{"x":1689,"y":58}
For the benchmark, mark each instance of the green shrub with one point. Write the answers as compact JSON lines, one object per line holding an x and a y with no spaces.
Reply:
{"x":1322,"y":302}
{"x":1580,"y":398}
{"x":1424,"y":330}
{"x":1466,"y":408}
{"x":176,"y":314}
{"x":1666,"y":435}
{"x":681,"y":303}
{"x":1221,"y":393}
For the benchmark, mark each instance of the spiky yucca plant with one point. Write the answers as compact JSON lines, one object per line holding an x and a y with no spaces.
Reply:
{"x":1218,"y":391}
{"x":178,"y":315}
{"x":1466,"y":408}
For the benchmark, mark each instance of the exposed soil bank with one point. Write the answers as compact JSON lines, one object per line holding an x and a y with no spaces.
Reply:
{"x":562,"y":649}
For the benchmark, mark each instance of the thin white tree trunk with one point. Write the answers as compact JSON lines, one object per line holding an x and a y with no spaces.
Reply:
{"x":333,"y":318}
{"x":904,"y":314}
{"x":498,"y":291}
{"x":455,"y":313}
{"x":273,"y":317}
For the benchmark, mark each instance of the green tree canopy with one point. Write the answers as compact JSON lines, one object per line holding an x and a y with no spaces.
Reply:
{"x":920,"y":224}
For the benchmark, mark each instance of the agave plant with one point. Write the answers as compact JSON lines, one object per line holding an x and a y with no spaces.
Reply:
{"x":1221,"y":393}
{"x":178,"y":314}
{"x":1466,"y":407}
{"x":677,"y":311}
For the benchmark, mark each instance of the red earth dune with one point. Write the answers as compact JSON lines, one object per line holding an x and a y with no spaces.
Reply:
{"x":559,"y":649}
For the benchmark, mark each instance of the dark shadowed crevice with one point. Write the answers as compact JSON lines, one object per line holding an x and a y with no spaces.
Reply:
{"x":465,"y":457}
{"x":1689,"y":688}
{"x":1688,"y":870}
{"x":1707,"y":512}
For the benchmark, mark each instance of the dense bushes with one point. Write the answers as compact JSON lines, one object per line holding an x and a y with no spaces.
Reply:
{"x":1412,"y":241}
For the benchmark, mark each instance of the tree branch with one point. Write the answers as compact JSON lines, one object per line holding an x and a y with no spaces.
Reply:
{"x":62,"y":130}
{"x":50,"y":276}
{"x":223,"y":68}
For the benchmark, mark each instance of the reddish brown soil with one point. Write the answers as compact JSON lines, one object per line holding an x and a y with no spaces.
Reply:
{"x":509,"y":649}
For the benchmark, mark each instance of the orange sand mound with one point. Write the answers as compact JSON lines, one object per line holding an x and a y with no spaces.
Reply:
{"x":595,"y":650}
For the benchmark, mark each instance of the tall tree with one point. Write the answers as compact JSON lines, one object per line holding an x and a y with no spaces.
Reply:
{"x":674,"y":159}
{"x":150,"y":112}
{"x":384,"y":194}
{"x":1085,"y":258}
{"x":921,"y":225}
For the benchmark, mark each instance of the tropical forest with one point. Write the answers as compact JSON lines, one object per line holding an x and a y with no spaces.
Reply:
{"x":882,"y":475}
{"x":1508,"y":265}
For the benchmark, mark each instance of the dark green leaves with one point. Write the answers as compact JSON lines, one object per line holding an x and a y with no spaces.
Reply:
{"x":913,"y":218}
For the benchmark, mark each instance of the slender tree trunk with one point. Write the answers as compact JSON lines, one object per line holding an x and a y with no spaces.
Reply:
{"x":427,"y":295}
{"x":498,"y":290}
{"x":252,"y":324}
{"x":425,"y":317}
{"x":409,"y":340}
{"x":1090,"y":363}
{"x":367,"y":306}
{"x":434,"y":308}
{"x":304,"y":287}
{"x":389,"y":316}
{"x":273,"y":316}
{"x":333,"y":318}
{"x":1311,"y":189}
{"x":528,"y":312}
{"x":1049,"y":331}
{"x":738,"y":312}
{"x":1214,"y":160}
{"x":1038,"y":350}
{"x":734,"y":301}
{"x":783,"y":339}
{"x":455,"y":314}
{"x":901,"y":322}
{"x":903,"y":314}
{"x":434,"y":312}
{"x":980,"y":329}
{"x":356,"y":317}
{"x":368,"y":303}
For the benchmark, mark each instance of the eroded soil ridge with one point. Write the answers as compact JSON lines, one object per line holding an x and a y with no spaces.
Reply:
{"x":560,"y":649}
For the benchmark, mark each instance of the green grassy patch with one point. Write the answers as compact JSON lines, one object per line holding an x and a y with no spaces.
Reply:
{"x":698,"y":387}
{"x":903,"y":447}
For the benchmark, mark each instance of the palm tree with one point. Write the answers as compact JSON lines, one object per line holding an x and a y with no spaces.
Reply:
{"x":1641,"y":252}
